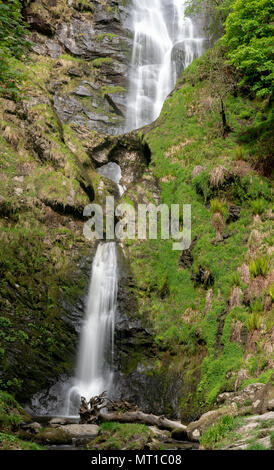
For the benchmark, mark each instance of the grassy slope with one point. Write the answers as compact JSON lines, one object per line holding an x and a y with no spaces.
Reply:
{"x":189,"y":133}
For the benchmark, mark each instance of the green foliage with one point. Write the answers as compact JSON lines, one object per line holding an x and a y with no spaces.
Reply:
{"x":258,"y":206}
{"x":254,"y":321}
{"x":115,"y":435}
{"x":11,"y":413}
{"x":12,"y":45}
{"x":217,"y":431}
{"x":215,"y":368}
{"x":236,"y":279}
{"x":272,"y":440}
{"x":271,"y":292}
{"x":256,"y":305}
{"x":216,"y":206}
{"x":249,"y":33}
{"x":97,"y":63}
{"x":12,"y":442}
{"x":259,"y":266}
{"x":256,"y":446}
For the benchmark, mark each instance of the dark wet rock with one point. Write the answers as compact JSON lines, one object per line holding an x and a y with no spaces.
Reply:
{"x":234,"y":213}
{"x":33,"y":428}
{"x":186,"y":259}
{"x":74,"y":72}
{"x":152,"y":392}
{"x":37,"y":23}
{"x":179,"y":434}
{"x":203,"y":277}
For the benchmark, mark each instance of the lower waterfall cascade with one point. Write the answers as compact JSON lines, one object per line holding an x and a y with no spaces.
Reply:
{"x":95,"y":357}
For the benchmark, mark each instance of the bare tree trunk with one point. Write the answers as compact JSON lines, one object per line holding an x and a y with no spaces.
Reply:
{"x":140,"y":417}
{"x":226,"y":127}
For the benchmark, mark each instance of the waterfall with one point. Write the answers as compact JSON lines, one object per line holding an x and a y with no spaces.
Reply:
{"x":95,"y":357}
{"x":165,"y":42}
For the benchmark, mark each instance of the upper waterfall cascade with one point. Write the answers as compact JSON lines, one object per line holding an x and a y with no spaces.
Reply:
{"x":165,"y":42}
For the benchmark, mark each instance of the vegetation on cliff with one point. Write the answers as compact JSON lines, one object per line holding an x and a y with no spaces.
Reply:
{"x":215,"y":300}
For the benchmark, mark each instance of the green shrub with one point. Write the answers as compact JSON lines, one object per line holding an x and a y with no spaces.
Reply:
{"x":216,"y":206}
{"x":258,"y":206}
{"x":249,"y":33}
{"x":235,"y":279}
{"x":272,"y":439}
{"x":271,"y":292}
{"x":259,"y":266}
{"x":13,"y":42}
{"x":254,"y":321}
{"x":256,"y":306}
{"x":256,"y":446}
{"x":239,"y":153}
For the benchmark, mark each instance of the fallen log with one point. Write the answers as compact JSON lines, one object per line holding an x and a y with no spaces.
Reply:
{"x":143,"y":418}
{"x":103,"y":409}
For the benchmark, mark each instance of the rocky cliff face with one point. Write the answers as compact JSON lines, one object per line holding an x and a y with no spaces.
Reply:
{"x":90,"y":46}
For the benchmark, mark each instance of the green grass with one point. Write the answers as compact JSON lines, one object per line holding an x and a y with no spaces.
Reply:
{"x":218,"y":431}
{"x":259,"y":266}
{"x":11,"y":442}
{"x":11,"y":413}
{"x":115,"y":435}
{"x":256,"y":446}
{"x":188,"y":134}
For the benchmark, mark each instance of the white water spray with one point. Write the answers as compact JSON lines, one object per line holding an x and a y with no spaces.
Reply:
{"x":165,"y":42}
{"x":95,"y":358}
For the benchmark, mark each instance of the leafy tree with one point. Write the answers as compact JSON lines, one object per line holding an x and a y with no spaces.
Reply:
{"x":13,"y":33}
{"x":249,"y":38}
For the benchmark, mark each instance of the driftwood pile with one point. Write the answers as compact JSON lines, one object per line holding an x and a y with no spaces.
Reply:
{"x":123,"y":412}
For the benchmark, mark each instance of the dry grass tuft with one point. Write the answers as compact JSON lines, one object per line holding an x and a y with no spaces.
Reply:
{"x":197,"y":171}
{"x":175,"y":149}
{"x":11,"y":136}
{"x":244,"y":273}
{"x":235,"y":297}
{"x":217,"y":176}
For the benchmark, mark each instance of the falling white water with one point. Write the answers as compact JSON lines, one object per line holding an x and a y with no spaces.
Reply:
{"x":95,"y":357}
{"x":165,"y":42}
{"x":113,"y":172}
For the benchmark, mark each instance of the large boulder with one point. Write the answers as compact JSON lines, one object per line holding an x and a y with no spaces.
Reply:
{"x":80,"y":431}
